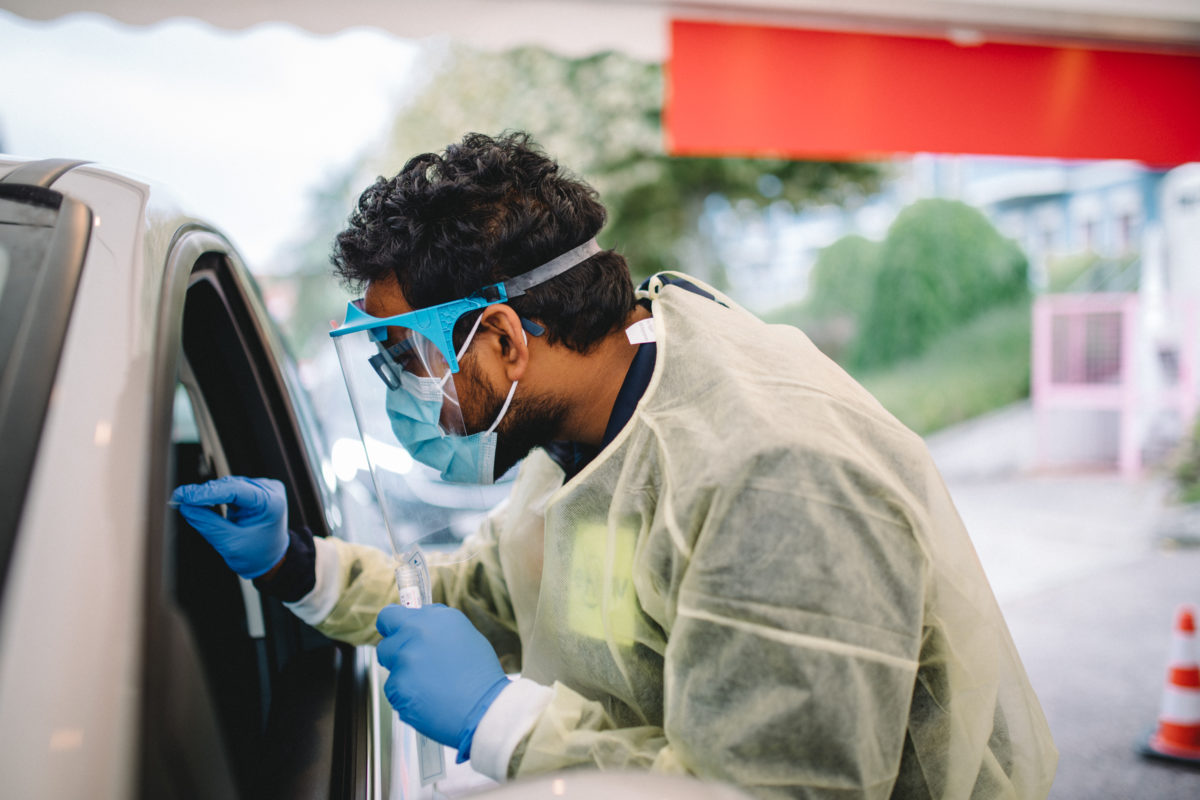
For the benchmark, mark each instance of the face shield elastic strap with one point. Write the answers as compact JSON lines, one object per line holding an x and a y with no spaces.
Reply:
{"x":515,"y":287}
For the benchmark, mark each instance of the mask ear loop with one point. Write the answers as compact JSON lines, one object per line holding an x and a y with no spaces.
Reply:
{"x":511,"y":391}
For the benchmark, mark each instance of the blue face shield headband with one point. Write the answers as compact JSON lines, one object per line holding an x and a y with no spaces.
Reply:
{"x":436,"y":323}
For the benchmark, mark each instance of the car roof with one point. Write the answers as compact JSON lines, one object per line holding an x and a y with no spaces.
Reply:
{"x":68,"y":175}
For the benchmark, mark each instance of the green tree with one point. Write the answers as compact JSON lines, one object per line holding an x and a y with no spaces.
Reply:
{"x":602,"y":117}
{"x":840,"y":287}
{"x":843,"y":277}
{"x":652,"y":219}
{"x":941,"y":263}
{"x":318,"y":299}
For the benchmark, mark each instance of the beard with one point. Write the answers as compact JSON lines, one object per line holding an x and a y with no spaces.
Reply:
{"x":529,"y":422}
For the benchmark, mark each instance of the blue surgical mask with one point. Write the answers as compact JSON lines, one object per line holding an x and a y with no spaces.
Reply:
{"x":415,"y":408}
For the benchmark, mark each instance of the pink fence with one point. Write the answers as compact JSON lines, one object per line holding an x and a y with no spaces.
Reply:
{"x":1085,"y":356}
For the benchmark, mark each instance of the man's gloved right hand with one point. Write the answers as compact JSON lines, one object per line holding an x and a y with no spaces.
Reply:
{"x":253,"y":537}
{"x":444,"y":675}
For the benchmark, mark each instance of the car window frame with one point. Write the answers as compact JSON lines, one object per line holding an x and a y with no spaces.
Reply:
{"x":355,"y":758}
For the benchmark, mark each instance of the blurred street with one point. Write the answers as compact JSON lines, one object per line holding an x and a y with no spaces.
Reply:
{"x":1089,"y":587}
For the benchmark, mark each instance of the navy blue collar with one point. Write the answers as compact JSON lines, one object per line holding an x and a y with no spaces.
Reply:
{"x":572,"y":456}
{"x":632,"y":389}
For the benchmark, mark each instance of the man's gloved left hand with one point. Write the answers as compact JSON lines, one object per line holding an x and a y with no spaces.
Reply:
{"x":253,"y":537}
{"x":444,"y":673}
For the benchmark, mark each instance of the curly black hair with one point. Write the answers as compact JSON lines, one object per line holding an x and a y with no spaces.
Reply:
{"x":486,"y":210}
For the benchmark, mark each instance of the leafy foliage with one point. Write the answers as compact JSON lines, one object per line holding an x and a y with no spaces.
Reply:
{"x":941,"y":263}
{"x":843,"y":278}
{"x":871,"y":304}
{"x":975,"y":368}
{"x":316,"y":298}
{"x":1185,"y":467}
{"x":840,"y":287}
{"x":601,"y":117}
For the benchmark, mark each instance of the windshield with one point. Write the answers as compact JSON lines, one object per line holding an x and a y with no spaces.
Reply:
{"x":43,"y":244}
{"x":25,"y":234}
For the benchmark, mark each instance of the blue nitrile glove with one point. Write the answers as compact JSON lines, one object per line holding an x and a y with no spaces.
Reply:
{"x":254,"y":537}
{"x":444,"y":673}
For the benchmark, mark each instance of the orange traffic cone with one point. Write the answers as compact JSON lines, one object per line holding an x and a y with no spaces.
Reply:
{"x":1178,"y":733}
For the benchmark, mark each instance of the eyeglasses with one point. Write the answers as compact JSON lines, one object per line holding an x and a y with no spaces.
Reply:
{"x":406,"y":356}
{"x":388,"y":363}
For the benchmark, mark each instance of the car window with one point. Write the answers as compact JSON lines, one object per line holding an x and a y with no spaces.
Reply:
{"x":25,"y":235}
{"x":287,"y":706}
{"x":183,"y":418}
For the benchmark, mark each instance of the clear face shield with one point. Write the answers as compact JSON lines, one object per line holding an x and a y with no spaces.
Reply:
{"x":403,"y":395}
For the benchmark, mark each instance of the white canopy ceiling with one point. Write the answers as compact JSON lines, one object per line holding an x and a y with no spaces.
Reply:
{"x":639,"y":27}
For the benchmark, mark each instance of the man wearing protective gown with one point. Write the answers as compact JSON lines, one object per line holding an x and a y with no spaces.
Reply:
{"x":756,"y":576}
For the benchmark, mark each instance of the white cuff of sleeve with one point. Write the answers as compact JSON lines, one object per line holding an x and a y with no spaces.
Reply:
{"x":315,"y":606}
{"x":510,"y":716}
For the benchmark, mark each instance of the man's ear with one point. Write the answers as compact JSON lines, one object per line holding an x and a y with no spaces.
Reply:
{"x":506,"y":340}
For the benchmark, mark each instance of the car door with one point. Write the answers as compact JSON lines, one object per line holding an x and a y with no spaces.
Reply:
{"x":242,"y":699}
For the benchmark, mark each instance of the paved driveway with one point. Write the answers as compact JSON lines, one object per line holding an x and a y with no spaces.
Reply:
{"x":1089,"y":589}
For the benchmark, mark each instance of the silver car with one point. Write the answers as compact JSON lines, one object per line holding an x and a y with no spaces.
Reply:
{"x":136,"y":355}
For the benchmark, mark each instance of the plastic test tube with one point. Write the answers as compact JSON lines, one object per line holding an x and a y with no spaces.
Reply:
{"x":414,"y":593}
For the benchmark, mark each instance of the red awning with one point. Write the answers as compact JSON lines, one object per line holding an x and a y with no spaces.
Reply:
{"x":750,"y":90}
